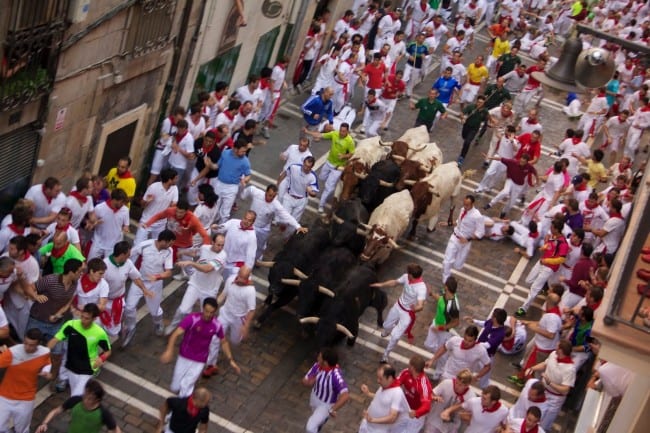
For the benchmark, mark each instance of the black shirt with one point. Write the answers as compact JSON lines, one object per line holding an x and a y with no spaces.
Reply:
{"x":200,"y":153}
{"x":181,"y":421}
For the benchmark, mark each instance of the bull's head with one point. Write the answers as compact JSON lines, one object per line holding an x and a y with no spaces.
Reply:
{"x":378,"y":246}
{"x":353,"y":172}
{"x":398,"y":151}
{"x":410,"y":172}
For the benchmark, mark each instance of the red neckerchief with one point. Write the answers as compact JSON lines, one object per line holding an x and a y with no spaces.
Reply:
{"x":82,"y":198}
{"x":595,"y":305}
{"x":415,"y":280}
{"x":555,"y":310}
{"x":615,"y":215}
{"x":575,"y":140}
{"x":460,"y":397}
{"x":393,"y":15}
{"x":172,"y":120}
{"x":423,"y":6}
{"x":191,"y":409}
{"x":462,"y":345}
{"x":126,"y":175}
{"x":509,"y":343}
{"x":110,"y":206}
{"x":15,"y":229}
{"x":241,"y":112}
{"x":228,"y":115}
{"x":472,"y":6}
{"x":326,"y":369}
{"x":532,"y":430}
{"x":179,"y":137}
{"x":601,"y":94}
{"x":372,"y":101}
{"x":591,"y":206}
{"x":282,"y":66}
{"x":581,"y":187}
{"x":395,"y":384}
{"x":49,"y":199}
{"x":58,"y":252}
{"x":467,"y":26}
{"x":533,"y":235}
{"x":185,"y":221}
{"x":462,"y":215}
{"x":539,"y":400}
{"x":531,"y":121}
{"x":265,"y":83}
{"x":645,"y":109}
{"x":209,"y":149}
{"x":62,"y":229}
{"x":245,"y":228}
{"x":493,"y":408}
{"x":564,"y":359}
{"x":86,"y":284}
{"x":348,"y":61}
{"x":620,"y":120}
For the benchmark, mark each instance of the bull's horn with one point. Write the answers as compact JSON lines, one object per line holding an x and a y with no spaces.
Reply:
{"x":393,"y":244}
{"x":409,"y":182}
{"x":264,"y":264}
{"x":468,"y":174}
{"x":398,"y":157}
{"x":362,"y":232}
{"x":300,"y":274}
{"x":290,"y":281}
{"x":418,"y":150}
{"x":341,"y":168}
{"x":342,"y":329}
{"x":386,"y":184}
{"x":326,"y":291}
{"x":311,"y":319}
{"x":337,"y":220}
{"x":360,"y":175}
{"x":387,"y":144}
{"x":365,"y":226}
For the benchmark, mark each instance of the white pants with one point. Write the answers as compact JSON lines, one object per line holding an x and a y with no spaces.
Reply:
{"x":553,"y":407}
{"x":17,"y":410}
{"x":150,"y":232}
{"x":78,"y":382}
{"x":632,"y":143}
{"x":396,"y":322}
{"x":114,"y":324}
{"x":537,"y":277}
{"x":489,"y":12}
{"x":510,"y":190}
{"x":262,"y":234}
{"x":193,"y":191}
{"x":492,"y":147}
{"x":295,"y":206}
{"x":186,"y":373}
{"x":494,"y":175}
{"x":590,"y":122}
{"x":227,"y":194}
{"x":191,"y":295}
{"x":232,"y":329}
{"x":525,"y":97}
{"x":411,"y":77}
{"x":455,"y":256}
{"x":319,"y":415}
{"x":338,"y":100}
{"x":469,"y":92}
{"x":408,"y":425}
{"x":370,"y":125}
{"x":97,"y":251}
{"x":390,"y":109}
{"x":570,"y":300}
{"x":159,"y":162}
{"x":18,"y":316}
{"x":330,"y":175}
{"x":153,"y":304}
{"x":435,"y":339}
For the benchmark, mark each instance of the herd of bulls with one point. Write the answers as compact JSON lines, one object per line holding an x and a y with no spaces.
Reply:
{"x":383,"y":188}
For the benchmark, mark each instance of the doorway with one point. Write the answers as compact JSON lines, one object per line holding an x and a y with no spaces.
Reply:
{"x":118,"y":144}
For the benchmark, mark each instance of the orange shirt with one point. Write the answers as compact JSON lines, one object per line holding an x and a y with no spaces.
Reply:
{"x":20,"y":381}
{"x":184,"y":229}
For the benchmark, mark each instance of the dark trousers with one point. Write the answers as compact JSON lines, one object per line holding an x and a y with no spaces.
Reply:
{"x":468,"y":135}
{"x":428,"y":124}
{"x":306,"y":68}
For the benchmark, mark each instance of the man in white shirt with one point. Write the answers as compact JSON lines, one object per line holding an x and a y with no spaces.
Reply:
{"x":464,"y":352}
{"x":235,"y":315}
{"x":533,"y":394}
{"x":418,"y":13}
{"x":616,"y":129}
{"x":156,"y":265}
{"x":328,"y":63}
{"x":205,"y":282}
{"x":293,"y":154}
{"x":529,"y":423}
{"x":158,"y":197}
{"x":182,"y":152}
{"x":267,"y":208}
{"x":640,"y":122}
{"x":573,"y":149}
{"x":119,"y":268}
{"x":469,"y":226}
{"x":595,"y":114}
{"x":342,"y":26}
{"x":488,"y":414}
{"x":195,"y":121}
{"x":448,"y":393}
{"x":612,"y":231}
{"x":402,"y":314}
{"x":168,"y":130}
{"x":48,"y":201}
{"x":278,"y":84}
{"x":388,"y":403}
{"x":241,"y":243}
{"x":251,"y":92}
{"x":80,"y":202}
{"x":374,"y":111}
{"x":112,"y":221}
{"x":301,"y":183}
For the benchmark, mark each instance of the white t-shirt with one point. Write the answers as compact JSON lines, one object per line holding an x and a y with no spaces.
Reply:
{"x":516,"y":424}
{"x":385,"y":401}
{"x":5,"y":283}
{"x":6,"y":234}
{"x":550,"y":322}
{"x":92,"y":296}
{"x":116,"y":276}
{"x":412,"y":293}
{"x":206,"y":216}
{"x":277,"y":76}
{"x":162,"y":199}
{"x":614,"y":378}
{"x":79,"y":210}
{"x":483,"y":421}
{"x":340,"y":27}
{"x":474,"y":358}
{"x":526,"y":126}
{"x":569,"y":149}
{"x":298,"y":181}
{"x":176,"y":159}
{"x":209,"y":281}
{"x":445,"y":389}
{"x":109,"y":231}
{"x":266,"y":211}
{"x":154,"y":260}
{"x":31,"y":273}
{"x":521,"y":406}
{"x":195,"y":129}
{"x":71,"y":232}
{"x":293,"y":155}
{"x":615,"y":228}
{"x":470,"y":225}
{"x":239,"y":299}
{"x":240,"y":245}
{"x":42,"y":206}
{"x":3,"y":318}
{"x":256,"y":96}
{"x":554,"y":182}
{"x":563,"y":373}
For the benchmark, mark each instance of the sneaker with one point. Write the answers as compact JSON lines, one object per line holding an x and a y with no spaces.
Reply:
{"x":516,"y":380}
{"x":180,"y":277}
{"x":502,"y":215}
{"x":460,"y":161}
{"x":522,"y":200}
{"x":485,"y":164}
{"x":516,"y":365}
{"x":265,"y":132}
{"x":383,"y":360}
{"x":321,"y":210}
{"x":168,"y":330}
{"x":210,"y":370}
{"x":128,"y":337}
{"x":60,"y":385}
{"x":478,"y":191}
{"x":487,"y":206}
{"x":385,"y":333}
{"x":520,"y":312}
{"x":159,"y":329}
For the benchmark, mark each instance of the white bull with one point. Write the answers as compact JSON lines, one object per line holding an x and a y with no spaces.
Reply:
{"x":386,"y":224}
{"x":428,"y":155}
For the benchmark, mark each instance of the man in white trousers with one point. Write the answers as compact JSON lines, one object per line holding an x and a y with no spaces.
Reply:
{"x":236,"y":315}
{"x":234,"y":171}
{"x":240,"y":244}
{"x":302,"y":183}
{"x":402,"y":314}
{"x":203,"y":283}
{"x":158,"y":197}
{"x":469,"y":226}
{"x":517,"y":173}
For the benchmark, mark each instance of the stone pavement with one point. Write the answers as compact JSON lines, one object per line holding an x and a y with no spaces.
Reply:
{"x":268,"y":395}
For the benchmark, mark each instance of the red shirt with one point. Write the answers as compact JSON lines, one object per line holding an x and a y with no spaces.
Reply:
{"x":534,"y":150}
{"x":533,"y":83}
{"x":555,"y":248}
{"x":516,"y":172}
{"x":392,"y":87}
{"x":375,"y":75}
{"x":418,"y":392}
{"x":184,"y":229}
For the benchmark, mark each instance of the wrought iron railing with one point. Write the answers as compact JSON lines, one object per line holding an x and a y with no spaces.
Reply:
{"x":150,"y":26}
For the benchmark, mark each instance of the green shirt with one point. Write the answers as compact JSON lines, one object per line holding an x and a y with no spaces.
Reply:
{"x":495,"y":96}
{"x":339,"y":146}
{"x":508,"y":63}
{"x":429,"y":109}
{"x":83,"y":345}
{"x":83,"y":420}
{"x":57,"y":262}
{"x":445,"y":311}
{"x":474,"y":117}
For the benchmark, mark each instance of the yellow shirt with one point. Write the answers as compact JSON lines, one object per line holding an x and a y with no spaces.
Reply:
{"x":500,"y":47}
{"x":127,"y":183}
{"x":477,"y":74}
{"x":596,"y":171}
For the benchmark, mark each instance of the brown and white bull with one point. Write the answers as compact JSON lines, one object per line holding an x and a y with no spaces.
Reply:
{"x":408,"y":143}
{"x":419,"y":164}
{"x":366,"y":153}
{"x":430,"y":192}
{"x":386,"y":224}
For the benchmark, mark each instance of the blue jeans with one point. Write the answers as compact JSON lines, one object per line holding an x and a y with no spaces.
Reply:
{"x":49,"y":330}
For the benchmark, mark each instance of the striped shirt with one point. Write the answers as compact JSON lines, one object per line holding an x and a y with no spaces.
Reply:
{"x":329,"y":383}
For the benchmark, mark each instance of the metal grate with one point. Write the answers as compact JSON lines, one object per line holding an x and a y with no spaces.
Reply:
{"x":150,"y":27}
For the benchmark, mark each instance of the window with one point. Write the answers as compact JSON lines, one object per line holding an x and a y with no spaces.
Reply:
{"x":28,"y":14}
{"x":150,"y":27}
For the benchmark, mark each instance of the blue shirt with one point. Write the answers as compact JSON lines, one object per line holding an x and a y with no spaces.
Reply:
{"x":612,"y":86}
{"x":445,"y":86}
{"x":232,"y":168}
{"x":316,"y":105}
{"x":417,"y":51}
